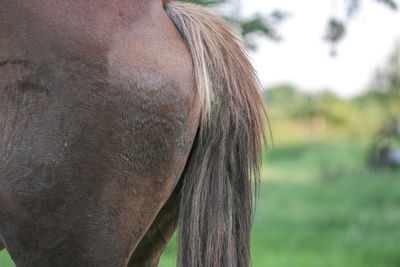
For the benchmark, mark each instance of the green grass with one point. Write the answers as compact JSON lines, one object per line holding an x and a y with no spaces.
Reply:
{"x":319,"y":206}
{"x":5,"y":260}
{"x":352,"y":222}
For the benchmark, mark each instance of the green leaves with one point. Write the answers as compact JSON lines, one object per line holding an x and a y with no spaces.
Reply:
{"x":336,"y":30}
{"x":390,"y":3}
{"x":264,"y":25}
{"x":268,"y":25}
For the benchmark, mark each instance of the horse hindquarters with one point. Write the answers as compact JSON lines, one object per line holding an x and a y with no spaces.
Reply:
{"x":150,"y":248}
{"x":98,"y":137}
{"x":216,"y":200}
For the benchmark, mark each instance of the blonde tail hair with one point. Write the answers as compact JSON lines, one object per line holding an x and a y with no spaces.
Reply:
{"x":216,"y":208}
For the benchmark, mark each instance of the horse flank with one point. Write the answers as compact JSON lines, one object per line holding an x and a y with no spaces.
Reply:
{"x":217,"y":199}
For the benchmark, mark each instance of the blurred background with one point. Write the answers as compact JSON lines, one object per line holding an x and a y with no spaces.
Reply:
{"x":330,"y":191}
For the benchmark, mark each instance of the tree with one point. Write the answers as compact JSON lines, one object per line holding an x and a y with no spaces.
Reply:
{"x":386,"y":88}
{"x":387,"y":83}
{"x":265,"y":25}
{"x":268,"y":25}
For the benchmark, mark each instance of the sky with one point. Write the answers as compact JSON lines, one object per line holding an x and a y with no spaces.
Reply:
{"x":303,"y":59}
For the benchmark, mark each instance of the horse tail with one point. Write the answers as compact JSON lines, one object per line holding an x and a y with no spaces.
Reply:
{"x":216,"y":209}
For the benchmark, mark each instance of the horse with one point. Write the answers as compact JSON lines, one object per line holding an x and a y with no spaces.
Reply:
{"x":120,"y":122}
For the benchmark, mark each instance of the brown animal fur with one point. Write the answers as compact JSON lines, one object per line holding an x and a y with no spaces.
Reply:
{"x":98,"y":114}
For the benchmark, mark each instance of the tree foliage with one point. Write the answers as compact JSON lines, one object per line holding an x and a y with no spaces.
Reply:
{"x":386,"y":84}
{"x":267,"y":25}
{"x":385,"y":89}
{"x":336,"y":29}
{"x":387,"y":78}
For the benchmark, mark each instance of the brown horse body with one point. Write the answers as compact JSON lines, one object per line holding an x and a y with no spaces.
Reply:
{"x":98,"y":114}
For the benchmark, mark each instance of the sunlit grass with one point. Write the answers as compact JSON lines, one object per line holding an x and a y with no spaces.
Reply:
{"x":5,"y":260}
{"x":320,"y":206}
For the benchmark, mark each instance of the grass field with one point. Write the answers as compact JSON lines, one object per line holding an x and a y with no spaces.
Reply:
{"x":320,"y":206}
